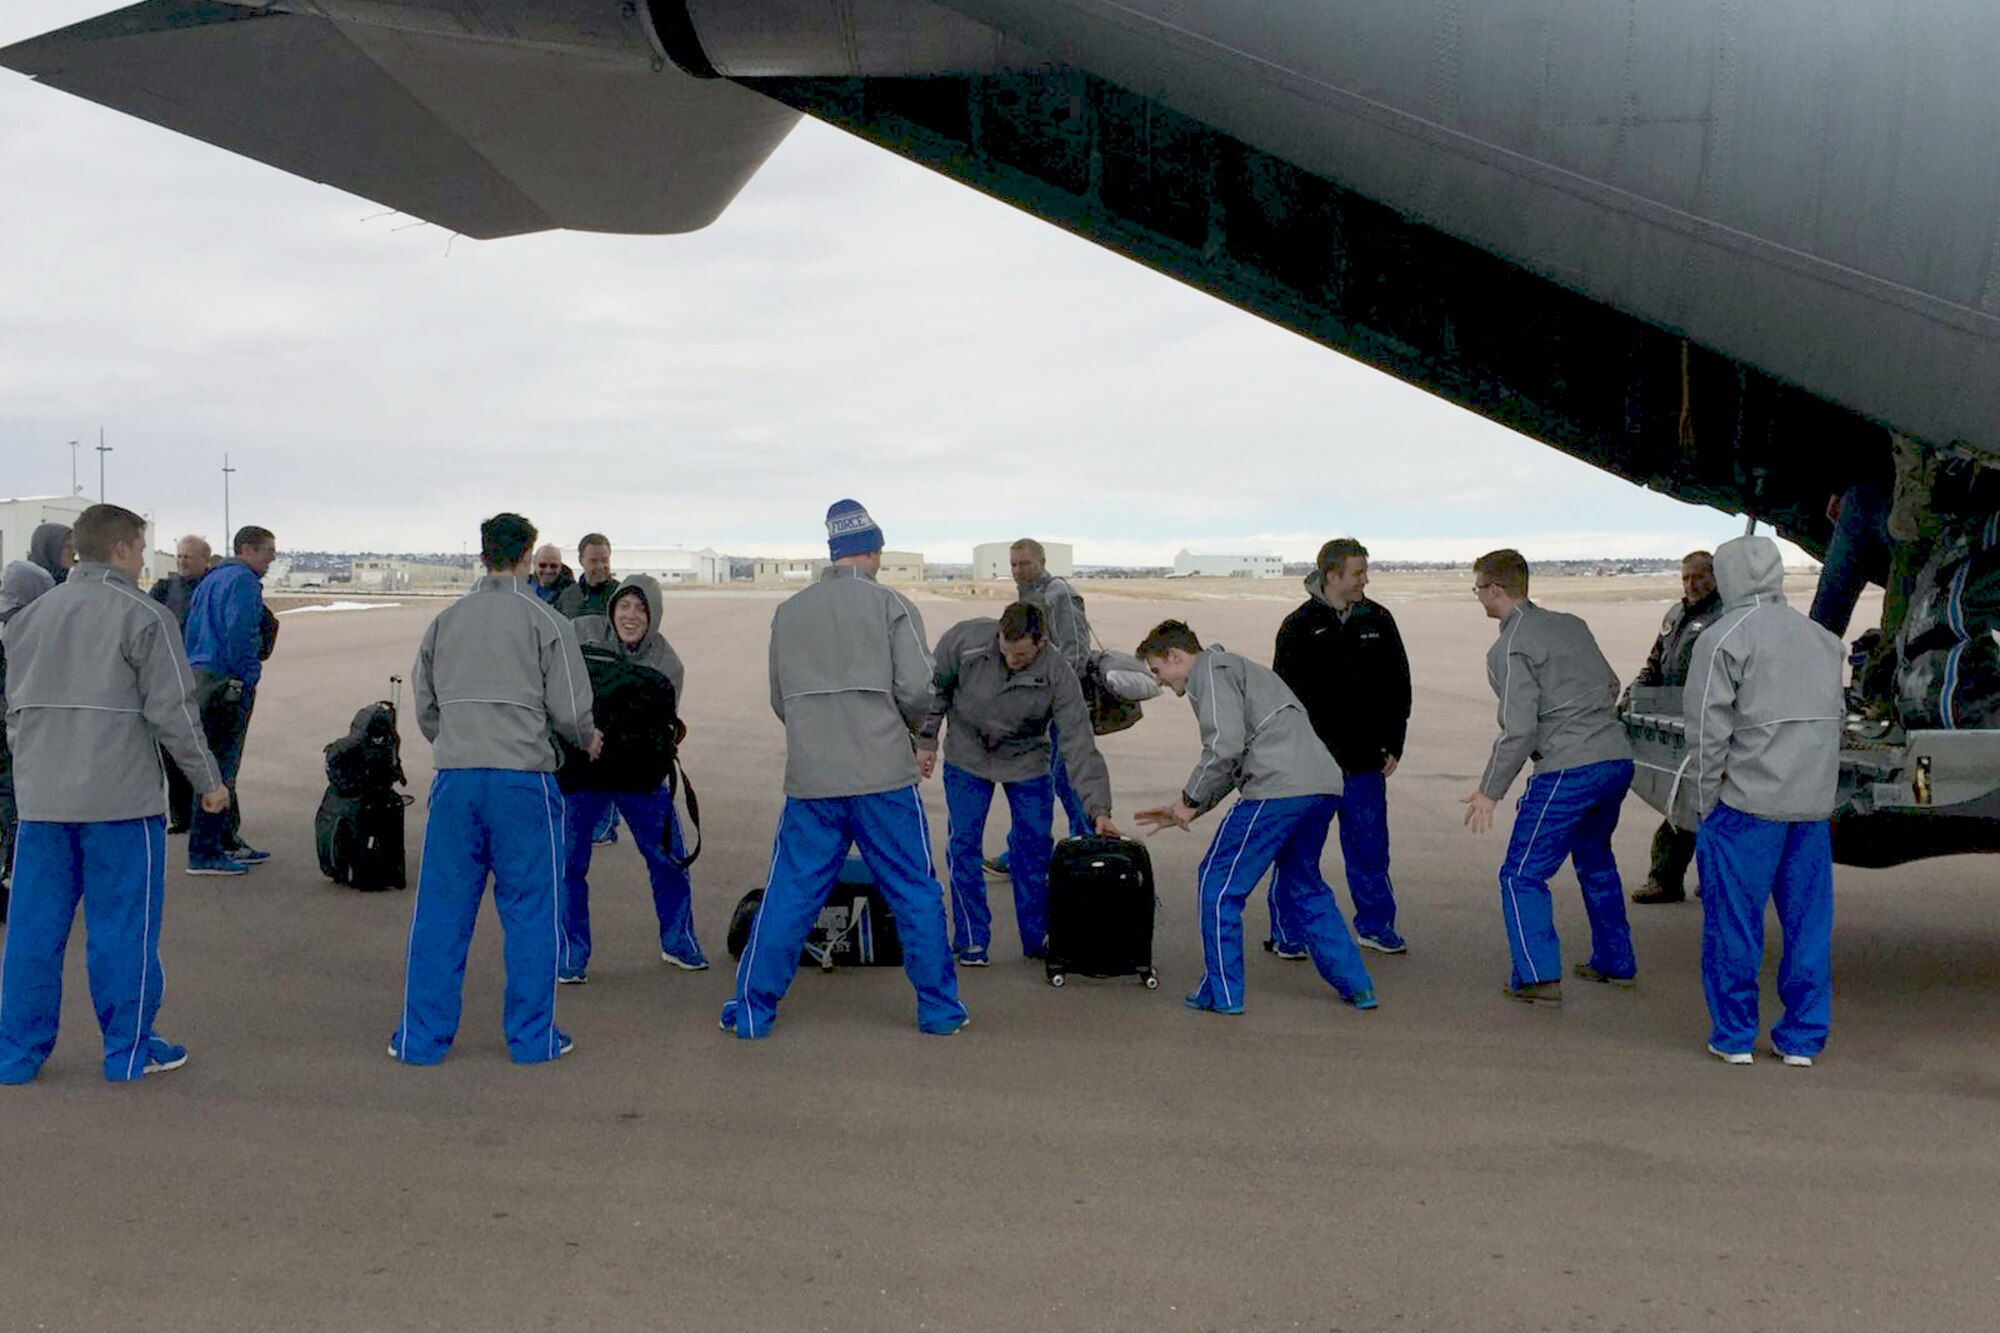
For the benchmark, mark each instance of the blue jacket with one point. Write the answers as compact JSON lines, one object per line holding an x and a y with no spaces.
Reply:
{"x":224,"y":623}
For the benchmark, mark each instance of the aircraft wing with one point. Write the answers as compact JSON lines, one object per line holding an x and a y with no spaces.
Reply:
{"x":486,"y":137}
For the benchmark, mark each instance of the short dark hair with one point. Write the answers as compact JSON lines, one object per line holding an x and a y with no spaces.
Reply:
{"x":101,"y":527}
{"x":1031,"y":546}
{"x":505,"y":539}
{"x":1336,"y":553}
{"x":592,"y":539}
{"x":1506,"y":567}
{"x":1022,"y":621}
{"x":1166,"y":636}
{"x":252,"y":536}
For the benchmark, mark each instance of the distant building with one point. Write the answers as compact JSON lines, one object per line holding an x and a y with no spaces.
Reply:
{"x":902,"y":567}
{"x":390,"y":574}
{"x":20,"y":517}
{"x":769,"y":570}
{"x":1227,"y":564}
{"x":671,"y":564}
{"x":989,"y":559}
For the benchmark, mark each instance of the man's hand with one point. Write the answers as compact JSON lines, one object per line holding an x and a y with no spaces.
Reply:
{"x":926,"y":762}
{"x":1389,"y":765}
{"x":215,"y":802}
{"x":1180,"y":814}
{"x":1107,"y":829}
{"x":1479,"y":811}
{"x":596,"y":746}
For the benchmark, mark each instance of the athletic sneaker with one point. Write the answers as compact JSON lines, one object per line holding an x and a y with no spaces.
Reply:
{"x":996,"y":868}
{"x":564,"y":1044}
{"x":1731,"y":1057}
{"x":162,"y":1056}
{"x":974,"y":958}
{"x":1362,"y":999}
{"x":1290,"y":953}
{"x":1589,"y":973}
{"x":571,"y":978}
{"x":1793,"y":1061}
{"x":686,"y":964}
{"x":1383,"y":941}
{"x":216,"y":865}
{"x":1195,"y":1001}
{"x":607,"y":840}
{"x":247,"y":854}
{"x":1540,"y":992}
{"x":1656,"y":892}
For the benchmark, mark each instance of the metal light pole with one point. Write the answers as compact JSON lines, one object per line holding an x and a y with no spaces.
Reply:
{"x":226,"y":470}
{"x":75,"y":486}
{"x":102,"y":449}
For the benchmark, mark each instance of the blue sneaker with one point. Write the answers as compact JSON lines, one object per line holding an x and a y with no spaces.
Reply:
{"x":1382,"y":941}
{"x":216,"y":865}
{"x":162,"y":1056}
{"x":247,"y":854}
{"x":974,"y":958}
{"x":1362,"y":999}
{"x":689,"y":961}
{"x":996,"y":867}
{"x":1196,"y":1000}
{"x":571,"y":978}
{"x":606,"y":838}
{"x":1291,"y":953}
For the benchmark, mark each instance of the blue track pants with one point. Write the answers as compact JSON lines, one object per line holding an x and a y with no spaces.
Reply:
{"x":1364,"y":851}
{"x":1029,"y":846}
{"x":1746,"y":862}
{"x":1566,"y":815}
{"x":893,"y":835}
{"x":653,"y":821}
{"x":1287,"y":835}
{"x":481,"y":822}
{"x":117,"y":870}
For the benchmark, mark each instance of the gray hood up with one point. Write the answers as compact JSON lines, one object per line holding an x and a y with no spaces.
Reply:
{"x":651,"y":651}
{"x":20,"y":584}
{"x":45,"y":548}
{"x":1763,"y":699}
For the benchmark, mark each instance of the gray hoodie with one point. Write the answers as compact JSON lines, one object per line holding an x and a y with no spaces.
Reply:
{"x":498,"y":677}
{"x":1062,"y":616}
{"x":97,"y":683}
{"x":21,"y":583}
{"x":1000,"y":718}
{"x":1558,"y":698}
{"x":45,"y":548}
{"x":1763,"y":699}
{"x":851,"y":680}
{"x":1255,"y":735}
{"x":651,"y":651}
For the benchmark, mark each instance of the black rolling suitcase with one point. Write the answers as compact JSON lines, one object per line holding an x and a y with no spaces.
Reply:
{"x":855,"y":928}
{"x":358,"y":830}
{"x":1101,"y":908}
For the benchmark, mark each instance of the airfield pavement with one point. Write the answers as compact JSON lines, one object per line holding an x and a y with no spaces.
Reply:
{"x":1095,"y":1157}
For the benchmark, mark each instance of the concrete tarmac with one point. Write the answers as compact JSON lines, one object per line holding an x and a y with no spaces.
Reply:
{"x":1095,"y":1157}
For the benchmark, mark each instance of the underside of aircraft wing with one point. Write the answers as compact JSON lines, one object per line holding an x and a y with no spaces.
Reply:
{"x":485,"y":137}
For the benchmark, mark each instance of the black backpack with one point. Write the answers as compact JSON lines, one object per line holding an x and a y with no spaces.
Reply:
{"x":634,"y":706}
{"x":369,"y":758}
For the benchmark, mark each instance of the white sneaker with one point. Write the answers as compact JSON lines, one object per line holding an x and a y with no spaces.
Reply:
{"x":1732,"y":1057}
{"x":1792,"y":1061}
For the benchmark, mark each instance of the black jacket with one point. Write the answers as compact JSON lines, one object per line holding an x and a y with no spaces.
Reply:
{"x":1682,"y":625}
{"x":1353,"y":678}
{"x":175,"y":593}
{"x":581,"y":599}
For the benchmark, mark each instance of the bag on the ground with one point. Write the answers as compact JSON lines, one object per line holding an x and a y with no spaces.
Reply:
{"x":855,"y":928}
{"x":360,"y":839}
{"x":1101,"y":910}
{"x":369,"y":758}
{"x":635,"y":708}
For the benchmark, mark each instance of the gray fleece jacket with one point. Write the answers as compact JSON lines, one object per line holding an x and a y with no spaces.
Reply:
{"x":651,"y":651}
{"x":1255,"y":735}
{"x":498,"y":677}
{"x":851,"y":680}
{"x":97,"y":684}
{"x":1763,"y":699}
{"x":1558,"y":698}
{"x":1062,"y":616}
{"x":1000,"y":719}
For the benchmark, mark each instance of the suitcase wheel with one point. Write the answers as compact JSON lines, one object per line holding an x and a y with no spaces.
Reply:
{"x":1152,"y":981}
{"x":1057,"y":978}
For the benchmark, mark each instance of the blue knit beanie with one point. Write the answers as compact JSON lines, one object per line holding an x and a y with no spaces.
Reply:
{"x":849,"y":530}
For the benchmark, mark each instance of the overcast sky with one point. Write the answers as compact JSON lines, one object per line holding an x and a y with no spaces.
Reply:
{"x":853,"y":325}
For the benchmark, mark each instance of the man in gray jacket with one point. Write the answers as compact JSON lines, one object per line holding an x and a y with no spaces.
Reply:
{"x":97,"y":684}
{"x":851,"y":681}
{"x":1558,"y":707}
{"x":1257,"y":740}
{"x":498,"y":678}
{"x":1011,"y":699}
{"x":1763,"y":706}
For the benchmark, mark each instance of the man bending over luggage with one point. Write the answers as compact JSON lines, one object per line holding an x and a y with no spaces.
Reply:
{"x":640,"y":717}
{"x":497,"y":679}
{"x":1009,"y":695}
{"x":1255,"y":739}
{"x":1558,"y":707}
{"x":851,"y":680}
{"x":97,"y":683}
